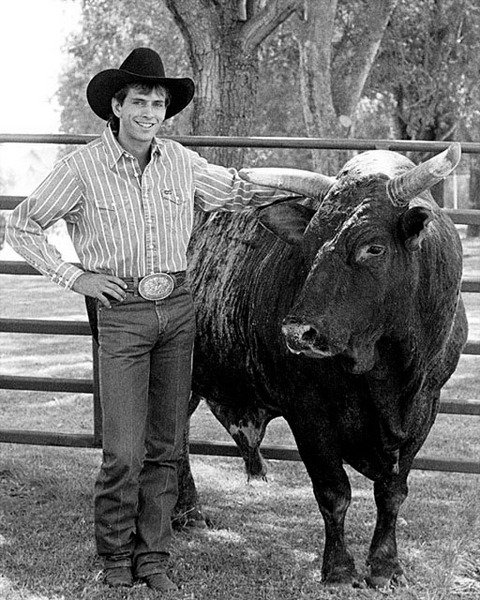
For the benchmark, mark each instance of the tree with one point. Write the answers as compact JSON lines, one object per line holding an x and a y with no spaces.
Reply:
{"x":316,"y":63}
{"x":338,"y":43}
{"x":215,"y":43}
{"x":223,"y":42}
{"x":290,"y":67}
{"x":429,"y":64}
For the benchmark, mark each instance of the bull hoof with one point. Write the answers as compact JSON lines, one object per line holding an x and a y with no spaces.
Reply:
{"x":193,"y":520}
{"x":255,"y":466}
{"x":381,"y":580}
{"x":196,"y":524}
{"x":377,"y":582}
{"x":254,"y":478}
{"x":349,"y":581}
{"x":342,"y":576}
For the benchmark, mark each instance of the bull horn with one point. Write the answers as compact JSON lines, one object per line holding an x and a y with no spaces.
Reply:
{"x":402,"y":189}
{"x":298,"y":181}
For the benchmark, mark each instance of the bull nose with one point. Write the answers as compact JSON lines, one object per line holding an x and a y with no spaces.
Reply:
{"x":305,"y":337}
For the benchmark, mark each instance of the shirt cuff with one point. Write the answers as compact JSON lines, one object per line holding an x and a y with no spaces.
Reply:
{"x":66,"y":275}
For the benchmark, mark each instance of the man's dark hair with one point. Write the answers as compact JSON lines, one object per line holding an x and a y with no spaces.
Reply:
{"x":120,"y":96}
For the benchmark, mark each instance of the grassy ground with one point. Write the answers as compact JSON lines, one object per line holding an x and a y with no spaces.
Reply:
{"x":264,"y":544}
{"x":266,"y":537}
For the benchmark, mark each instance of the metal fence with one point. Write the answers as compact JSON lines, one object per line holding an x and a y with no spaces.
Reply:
{"x":58,"y":327}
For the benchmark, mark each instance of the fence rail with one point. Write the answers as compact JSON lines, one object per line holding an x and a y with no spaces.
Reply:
{"x":90,"y":386}
{"x":256,"y":142}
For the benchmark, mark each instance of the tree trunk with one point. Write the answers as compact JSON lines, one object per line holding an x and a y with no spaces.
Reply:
{"x":226,"y":93}
{"x":353,"y":63}
{"x":332,"y":85}
{"x":314,"y":33}
{"x":222,"y":42}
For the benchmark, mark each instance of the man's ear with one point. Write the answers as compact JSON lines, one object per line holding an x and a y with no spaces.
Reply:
{"x":287,"y":221}
{"x":414,"y":225}
{"x":116,"y":107}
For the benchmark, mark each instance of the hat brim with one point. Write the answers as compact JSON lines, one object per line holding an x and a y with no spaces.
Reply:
{"x":106,"y":84}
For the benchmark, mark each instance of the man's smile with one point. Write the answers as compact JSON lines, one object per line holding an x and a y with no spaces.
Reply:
{"x":145,"y":125}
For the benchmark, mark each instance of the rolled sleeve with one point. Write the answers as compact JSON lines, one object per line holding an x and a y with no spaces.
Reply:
{"x":59,"y":196}
{"x":219,"y":188}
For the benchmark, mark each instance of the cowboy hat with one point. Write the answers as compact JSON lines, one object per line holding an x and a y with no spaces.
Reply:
{"x":142,"y":65}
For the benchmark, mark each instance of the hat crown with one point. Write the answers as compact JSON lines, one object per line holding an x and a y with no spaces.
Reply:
{"x":144,"y":62}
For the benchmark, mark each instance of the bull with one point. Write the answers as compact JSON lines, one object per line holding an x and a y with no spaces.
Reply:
{"x":341,"y":313}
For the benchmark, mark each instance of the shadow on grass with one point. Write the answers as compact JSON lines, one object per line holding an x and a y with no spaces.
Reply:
{"x":265,"y":543}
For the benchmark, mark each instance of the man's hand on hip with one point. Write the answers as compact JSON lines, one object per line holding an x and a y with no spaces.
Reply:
{"x":98,"y":285}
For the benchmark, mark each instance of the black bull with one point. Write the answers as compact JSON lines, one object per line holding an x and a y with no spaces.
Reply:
{"x":341,"y":314}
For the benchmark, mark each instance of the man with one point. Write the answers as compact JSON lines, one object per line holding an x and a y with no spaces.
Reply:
{"x":128,"y":200}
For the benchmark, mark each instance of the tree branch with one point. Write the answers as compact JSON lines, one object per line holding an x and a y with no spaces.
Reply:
{"x":355,"y":65}
{"x":263,"y":23}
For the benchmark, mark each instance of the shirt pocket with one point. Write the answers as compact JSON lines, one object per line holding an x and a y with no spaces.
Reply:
{"x":172,"y":195}
{"x":110,"y":218}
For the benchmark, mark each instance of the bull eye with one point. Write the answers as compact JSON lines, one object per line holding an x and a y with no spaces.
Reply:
{"x":370,"y":251}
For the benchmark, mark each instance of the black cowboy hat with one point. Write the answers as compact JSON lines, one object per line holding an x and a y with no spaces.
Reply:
{"x":142,"y":65}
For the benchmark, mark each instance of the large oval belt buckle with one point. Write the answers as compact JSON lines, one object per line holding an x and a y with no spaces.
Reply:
{"x":156,"y":286}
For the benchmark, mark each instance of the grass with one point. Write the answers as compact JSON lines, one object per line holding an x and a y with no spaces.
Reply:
{"x":264,"y":544}
{"x":267,"y":537}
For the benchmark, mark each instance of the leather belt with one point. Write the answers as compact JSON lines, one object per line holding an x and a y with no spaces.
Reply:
{"x":155,"y":286}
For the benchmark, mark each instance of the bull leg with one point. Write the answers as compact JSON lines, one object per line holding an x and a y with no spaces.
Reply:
{"x":247,"y":427}
{"x":322,"y":458}
{"x":333,"y":499}
{"x":385,"y":569}
{"x":188,"y":510}
{"x":333,"y":494}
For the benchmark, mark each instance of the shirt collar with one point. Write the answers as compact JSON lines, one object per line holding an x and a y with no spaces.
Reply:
{"x":157,"y":145}
{"x":113,"y":148}
{"x":115,"y":151}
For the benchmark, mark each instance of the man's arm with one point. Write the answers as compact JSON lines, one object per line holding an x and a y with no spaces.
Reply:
{"x":56,"y":197}
{"x":219,"y":188}
{"x":59,"y":196}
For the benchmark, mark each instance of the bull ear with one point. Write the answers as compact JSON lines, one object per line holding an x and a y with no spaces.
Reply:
{"x":287,"y":221}
{"x":414,"y":224}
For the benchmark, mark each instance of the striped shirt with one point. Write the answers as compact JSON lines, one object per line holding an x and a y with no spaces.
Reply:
{"x":121,"y":221}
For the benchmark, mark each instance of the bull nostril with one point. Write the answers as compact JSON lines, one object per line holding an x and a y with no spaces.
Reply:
{"x":309,"y":335}
{"x":313,"y":338}
{"x":306,"y":338}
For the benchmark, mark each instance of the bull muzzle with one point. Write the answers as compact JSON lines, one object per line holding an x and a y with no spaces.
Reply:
{"x":308,"y":338}
{"x":316,"y":341}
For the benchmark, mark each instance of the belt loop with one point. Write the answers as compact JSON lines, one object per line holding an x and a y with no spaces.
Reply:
{"x":135,"y":286}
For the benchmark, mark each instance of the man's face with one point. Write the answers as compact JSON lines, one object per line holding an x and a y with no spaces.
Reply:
{"x":141,"y":115}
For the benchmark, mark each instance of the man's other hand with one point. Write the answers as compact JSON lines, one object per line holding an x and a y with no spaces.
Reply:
{"x":100,"y":286}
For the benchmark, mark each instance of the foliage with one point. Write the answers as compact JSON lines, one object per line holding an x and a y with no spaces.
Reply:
{"x":108,"y":33}
{"x":423,"y":84}
{"x":279,"y":113}
{"x":429,"y":65}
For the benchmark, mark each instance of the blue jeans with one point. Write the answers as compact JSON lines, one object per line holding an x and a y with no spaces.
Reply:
{"x":145,"y":357}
